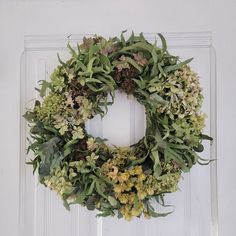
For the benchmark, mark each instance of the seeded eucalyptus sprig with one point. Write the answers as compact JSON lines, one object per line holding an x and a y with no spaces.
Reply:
{"x":83,"y":169}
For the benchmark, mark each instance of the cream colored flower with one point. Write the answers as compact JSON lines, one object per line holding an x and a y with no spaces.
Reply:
{"x":91,"y":144}
{"x":91,"y":160}
{"x":77,"y":133}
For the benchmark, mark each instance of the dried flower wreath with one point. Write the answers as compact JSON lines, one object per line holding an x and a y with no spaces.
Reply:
{"x":83,"y":169}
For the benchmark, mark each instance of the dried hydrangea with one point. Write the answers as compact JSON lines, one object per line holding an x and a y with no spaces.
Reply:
{"x":182,"y":91}
{"x":52,"y":105}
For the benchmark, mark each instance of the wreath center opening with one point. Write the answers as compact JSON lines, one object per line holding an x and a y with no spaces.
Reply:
{"x":123,"y":125}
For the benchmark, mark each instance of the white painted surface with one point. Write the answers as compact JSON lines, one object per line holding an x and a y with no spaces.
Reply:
{"x":18,"y":18}
{"x":42,"y":212}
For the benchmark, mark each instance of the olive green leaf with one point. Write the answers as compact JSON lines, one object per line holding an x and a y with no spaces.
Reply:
{"x":168,"y":69}
{"x":112,"y":201}
{"x":163,"y":41}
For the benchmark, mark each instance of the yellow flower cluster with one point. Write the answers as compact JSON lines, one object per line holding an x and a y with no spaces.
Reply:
{"x":132,"y":185}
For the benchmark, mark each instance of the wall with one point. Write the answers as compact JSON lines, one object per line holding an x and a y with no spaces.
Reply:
{"x":224,"y":28}
{"x":19,"y":18}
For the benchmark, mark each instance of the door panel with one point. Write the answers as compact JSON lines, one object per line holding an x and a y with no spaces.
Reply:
{"x":42,"y":212}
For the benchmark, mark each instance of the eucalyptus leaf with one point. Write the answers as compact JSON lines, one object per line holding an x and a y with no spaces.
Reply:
{"x":168,"y":69}
{"x":163,"y":41}
{"x":112,"y":201}
{"x":157,"y":166}
{"x":156,"y":214}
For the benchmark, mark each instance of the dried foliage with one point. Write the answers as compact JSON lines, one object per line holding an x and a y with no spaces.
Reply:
{"x":82,"y":169}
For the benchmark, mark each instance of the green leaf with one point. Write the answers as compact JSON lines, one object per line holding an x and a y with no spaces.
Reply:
{"x":140,"y":45}
{"x":94,"y":89}
{"x":199,"y":148}
{"x":91,"y":188}
{"x":142,"y":38}
{"x":92,"y":80}
{"x":163,"y":41}
{"x":131,"y":38}
{"x":72,"y":51}
{"x":157,"y":165}
{"x":51,"y":129}
{"x":170,"y":154}
{"x":105,"y":61}
{"x":90,"y":64}
{"x":57,"y":158}
{"x":156,"y":214}
{"x":106,"y":213}
{"x":179,"y":146}
{"x":48,"y":148}
{"x":160,"y":200}
{"x":134,"y":64}
{"x":189,"y":160}
{"x":122,"y":37}
{"x":79,"y":64}
{"x":66,"y":205}
{"x":112,"y":201}
{"x":205,"y":163}
{"x":206,"y":137}
{"x":139,"y":161}
{"x":29,"y":116}
{"x":155,"y":70}
{"x":140,"y":82}
{"x":78,"y":48}
{"x":162,"y":72}
{"x":168,"y":69}
{"x":100,"y":189}
{"x":108,"y":80}
{"x":69,"y":144}
{"x":102,"y":177}
{"x":59,"y":59}
{"x":93,"y":50}
{"x":154,"y":55}
{"x":67,"y":152}
{"x":157,"y":99}
{"x":80,"y":198}
{"x":44,"y":86}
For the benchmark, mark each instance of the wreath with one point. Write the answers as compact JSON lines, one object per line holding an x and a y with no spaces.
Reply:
{"x":83,"y":169}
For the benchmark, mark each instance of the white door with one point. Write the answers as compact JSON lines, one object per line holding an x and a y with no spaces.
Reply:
{"x":42,"y":212}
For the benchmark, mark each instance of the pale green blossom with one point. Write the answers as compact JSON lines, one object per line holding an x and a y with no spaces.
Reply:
{"x":59,"y":181}
{"x":61,"y":123}
{"x":69,"y":101}
{"x":91,"y":160}
{"x":85,"y":109}
{"x":51,"y":106}
{"x":70,"y":77}
{"x":77,"y":133}
{"x":58,"y":82}
{"x":62,"y":128}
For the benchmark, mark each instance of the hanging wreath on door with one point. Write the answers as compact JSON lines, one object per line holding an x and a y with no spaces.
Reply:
{"x":83,"y":169}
